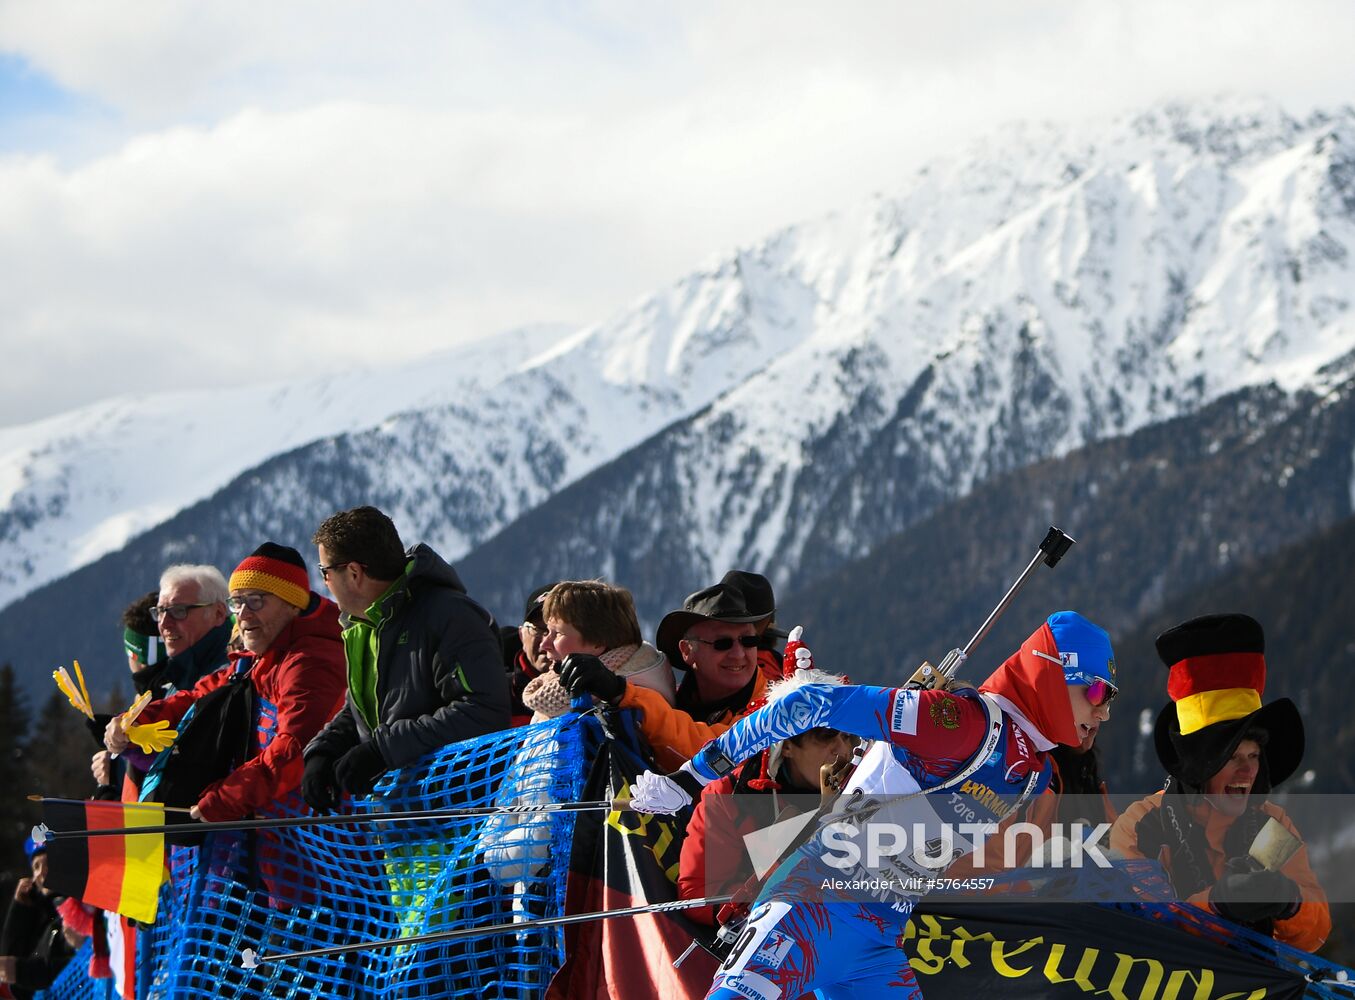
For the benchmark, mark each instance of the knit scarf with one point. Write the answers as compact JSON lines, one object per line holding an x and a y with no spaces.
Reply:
{"x":546,"y":695}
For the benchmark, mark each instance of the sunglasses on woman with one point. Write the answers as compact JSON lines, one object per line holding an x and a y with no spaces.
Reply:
{"x":726,"y":642}
{"x":1101,"y":693}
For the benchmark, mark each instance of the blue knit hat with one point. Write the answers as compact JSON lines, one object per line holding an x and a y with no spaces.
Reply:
{"x":1084,"y":649}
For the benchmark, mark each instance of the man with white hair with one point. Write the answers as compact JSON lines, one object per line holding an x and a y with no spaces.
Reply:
{"x":192,"y":618}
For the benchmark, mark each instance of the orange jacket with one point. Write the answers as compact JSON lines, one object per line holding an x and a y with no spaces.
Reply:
{"x":1307,"y":929}
{"x":674,"y":734}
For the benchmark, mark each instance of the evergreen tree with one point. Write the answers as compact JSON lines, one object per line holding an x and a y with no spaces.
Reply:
{"x":59,"y":750}
{"x":16,"y":814}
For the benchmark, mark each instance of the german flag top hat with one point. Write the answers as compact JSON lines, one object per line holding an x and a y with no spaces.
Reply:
{"x":1217,"y":676}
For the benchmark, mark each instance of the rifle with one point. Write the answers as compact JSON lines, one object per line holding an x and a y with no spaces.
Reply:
{"x":1051,"y":550}
{"x":1055,"y":544}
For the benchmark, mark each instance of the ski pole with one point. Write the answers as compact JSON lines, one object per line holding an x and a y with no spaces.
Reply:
{"x":43,"y":833}
{"x":251,"y":959}
{"x":1056,"y":543}
{"x":123,"y":805}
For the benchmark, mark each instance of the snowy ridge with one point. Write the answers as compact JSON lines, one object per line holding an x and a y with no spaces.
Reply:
{"x":1039,"y":291}
{"x":76,"y":486}
{"x":508,"y":420}
{"x":1029,"y":297}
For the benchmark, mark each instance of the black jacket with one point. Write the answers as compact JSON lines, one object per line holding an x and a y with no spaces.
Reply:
{"x":32,"y":933}
{"x":439,"y":670}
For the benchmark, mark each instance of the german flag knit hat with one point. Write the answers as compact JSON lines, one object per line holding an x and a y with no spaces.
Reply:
{"x":274,"y":569}
{"x":1217,"y":676}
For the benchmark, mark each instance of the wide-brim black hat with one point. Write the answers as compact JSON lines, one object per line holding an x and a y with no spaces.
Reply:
{"x":722,"y":602}
{"x":1197,"y":757}
{"x":1218,"y":674}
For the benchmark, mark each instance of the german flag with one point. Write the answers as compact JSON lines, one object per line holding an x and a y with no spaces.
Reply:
{"x":119,"y":873}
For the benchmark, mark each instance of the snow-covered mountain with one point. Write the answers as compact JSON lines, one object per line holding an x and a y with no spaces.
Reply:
{"x":76,"y":486}
{"x":793,"y":402}
{"x":506,"y":421}
{"x":1038,"y":293}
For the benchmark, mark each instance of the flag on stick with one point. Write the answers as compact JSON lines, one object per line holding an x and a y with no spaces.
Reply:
{"x":120,"y":874}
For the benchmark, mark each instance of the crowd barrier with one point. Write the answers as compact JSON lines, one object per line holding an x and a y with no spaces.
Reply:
{"x":303,"y":888}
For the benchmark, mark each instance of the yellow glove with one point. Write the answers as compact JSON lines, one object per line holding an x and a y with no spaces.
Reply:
{"x":152,"y":738}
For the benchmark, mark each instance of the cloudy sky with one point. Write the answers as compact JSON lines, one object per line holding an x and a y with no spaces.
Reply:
{"x":207,"y":193}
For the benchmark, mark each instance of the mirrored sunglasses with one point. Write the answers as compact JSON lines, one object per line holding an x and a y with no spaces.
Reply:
{"x":1101,"y":693}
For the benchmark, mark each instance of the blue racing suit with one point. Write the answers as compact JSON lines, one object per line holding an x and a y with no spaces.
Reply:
{"x":832,"y":916}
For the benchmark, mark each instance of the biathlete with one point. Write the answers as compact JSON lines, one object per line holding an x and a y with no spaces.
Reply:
{"x":942,"y":762}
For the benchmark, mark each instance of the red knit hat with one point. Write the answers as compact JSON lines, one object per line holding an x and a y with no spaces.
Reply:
{"x":274,"y":569}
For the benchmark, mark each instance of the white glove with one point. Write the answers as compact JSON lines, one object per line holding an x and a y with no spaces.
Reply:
{"x":666,"y":794}
{"x":796,"y":655}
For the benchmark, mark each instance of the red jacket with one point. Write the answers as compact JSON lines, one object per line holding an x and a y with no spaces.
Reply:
{"x":304,"y":676}
{"x":714,"y":860}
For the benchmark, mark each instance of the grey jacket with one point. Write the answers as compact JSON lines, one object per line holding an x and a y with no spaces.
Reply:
{"x":439,"y":671}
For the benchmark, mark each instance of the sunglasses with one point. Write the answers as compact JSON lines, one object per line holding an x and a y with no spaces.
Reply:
{"x":176,"y":611}
{"x":326,"y":570}
{"x":1101,"y":693}
{"x":726,"y":642}
{"x":254,"y":602}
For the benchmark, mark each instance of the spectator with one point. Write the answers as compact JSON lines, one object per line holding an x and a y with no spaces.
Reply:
{"x":1224,"y":752}
{"x":424,"y":666}
{"x":527,"y":660}
{"x":1078,"y":793}
{"x":294,"y":660}
{"x":758,"y":595}
{"x":957,"y":747}
{"x":714,"y":637}
{"x":147,"y":657}
{"x":775,"y":784}
{"x":194,"y":623}
{"x":147,"y":661}
{"x":592,"y":620}
{"x":34,"y":944}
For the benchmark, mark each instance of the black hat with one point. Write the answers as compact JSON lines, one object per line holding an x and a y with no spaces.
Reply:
{"x":720,"y":603}
{"x":756,"y":590}
{"x":534,"y":602}
{"x":1218,"y":675}
{"x":757,"y":594}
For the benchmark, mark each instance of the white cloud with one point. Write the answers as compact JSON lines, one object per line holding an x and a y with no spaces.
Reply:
{"x":281,"y":187}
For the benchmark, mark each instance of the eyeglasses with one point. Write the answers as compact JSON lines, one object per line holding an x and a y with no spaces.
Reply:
{"x":534,"y":629}
{"x":324,"y":570}
{"x":254,"y":602}
{"x":176,"y":611}
{"x":1101,"y":693}
{"x":726,"y":642}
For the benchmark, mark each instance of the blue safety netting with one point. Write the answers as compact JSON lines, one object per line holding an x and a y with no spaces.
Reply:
{"x":298,"y":889}
{"x":305,"y":888}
